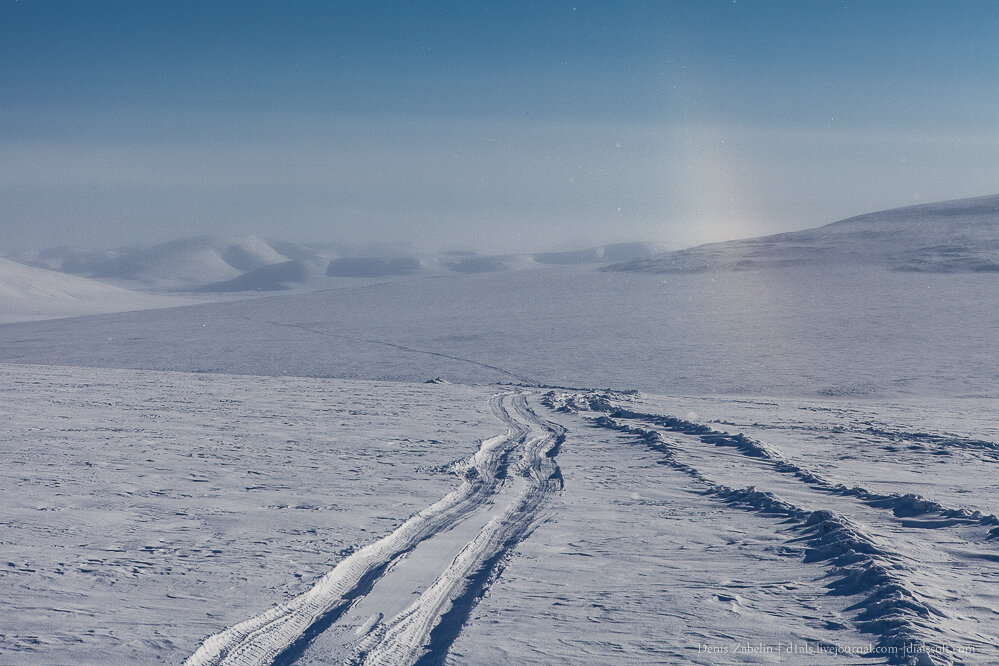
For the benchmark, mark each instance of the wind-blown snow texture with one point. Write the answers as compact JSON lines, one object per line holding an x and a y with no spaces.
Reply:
{"x":808,"y":477}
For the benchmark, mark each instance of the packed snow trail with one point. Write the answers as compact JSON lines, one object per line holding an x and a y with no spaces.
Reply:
{"x":424,"y":631}
{"x":926,"y":572}
{"x":283,"y":633}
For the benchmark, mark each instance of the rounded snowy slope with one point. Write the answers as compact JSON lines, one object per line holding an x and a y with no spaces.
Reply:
{"x":28,"y":293}
{"x":188,"y":261}
{"x":176,"y":264}
{"x":948,"y":236}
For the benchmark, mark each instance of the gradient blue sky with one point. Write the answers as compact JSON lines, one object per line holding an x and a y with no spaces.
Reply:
{"x":507,"y":125}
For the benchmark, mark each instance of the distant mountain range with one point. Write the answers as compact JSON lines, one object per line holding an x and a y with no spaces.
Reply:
{"x":949,"y":236}
{"x":944,"y":237}
{"x":180,"y":264}
{"x":209,"y":264}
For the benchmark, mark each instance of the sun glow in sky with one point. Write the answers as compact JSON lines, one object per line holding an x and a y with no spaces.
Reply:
{"x":513,"y":125}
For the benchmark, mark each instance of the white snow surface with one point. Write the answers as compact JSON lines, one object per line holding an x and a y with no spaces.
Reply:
{"x":28,"y":293}
{"x":421,"y":471}
{"x":143,"y":511}
{"x":793,"y":331}
{"x":147,"y":513}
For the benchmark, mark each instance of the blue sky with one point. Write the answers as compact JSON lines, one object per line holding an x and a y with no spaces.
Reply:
{"x":512,"y":125}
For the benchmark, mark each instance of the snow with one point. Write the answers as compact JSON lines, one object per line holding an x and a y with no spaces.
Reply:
{"x":136,"y":500}
{"x":943,"y":237}
{"x":144,"y":511}
{"x":794,"y":463}
{"x":802,"y":331}
{"x":28,"y":293}
{"x":210,"y":264}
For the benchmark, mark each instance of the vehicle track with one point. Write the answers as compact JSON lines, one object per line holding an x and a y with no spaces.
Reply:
{"x":925,"y":572}
{"x":423,"y":632}
{"x":282,"y":634}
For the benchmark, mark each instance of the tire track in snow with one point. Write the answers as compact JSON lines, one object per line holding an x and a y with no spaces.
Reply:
{"x":904,"y":506}
{"x":412,"y":350}
{"x":262,"y":639}
{"x":912,"y":614}
{"x":282,"y":633}
{"x":986,"y":450}
{"x":423,"y":633}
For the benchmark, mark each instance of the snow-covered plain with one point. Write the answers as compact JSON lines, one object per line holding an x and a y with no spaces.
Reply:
{"x":795,"y":331}
{"x":144,"y":510}
{"x":808,"y":475}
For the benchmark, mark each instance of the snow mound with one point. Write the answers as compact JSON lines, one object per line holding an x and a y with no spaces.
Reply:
{"x":179,"y":264}
{"x":28,"y":293}
{"x":949,"y":236}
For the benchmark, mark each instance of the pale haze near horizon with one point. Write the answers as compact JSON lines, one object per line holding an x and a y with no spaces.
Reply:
{"x":505,"y":127}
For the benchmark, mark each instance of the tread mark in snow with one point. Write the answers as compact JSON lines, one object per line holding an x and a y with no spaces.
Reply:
{"x":423,"y":633}
{"x":910,"y":623}
{"x":425,"y":630}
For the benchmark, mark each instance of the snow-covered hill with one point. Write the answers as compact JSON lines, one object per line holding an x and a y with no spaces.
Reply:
{"x":272,"y":277}
{"x":28,"y":293}
{"x":949,"y":236}
{"x":209,"y":264}
{"x":178,"y":264}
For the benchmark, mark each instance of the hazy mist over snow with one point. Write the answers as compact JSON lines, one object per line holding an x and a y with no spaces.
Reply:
{"x":941,"y":237}
{"x":513,"y":127}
